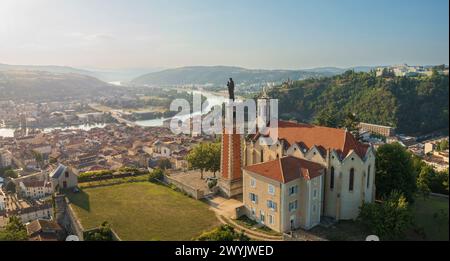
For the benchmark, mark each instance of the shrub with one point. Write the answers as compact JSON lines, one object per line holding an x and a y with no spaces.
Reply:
{"x":223,"y":233}
{"x":91,"y":175}
{"x":155,"y":175}
{"x":212,"y":183}
{"x":103,"y":233}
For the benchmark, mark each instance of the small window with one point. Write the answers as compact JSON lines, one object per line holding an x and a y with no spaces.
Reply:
{"x":271,"y":219}
{"x":253,"y":198}
{"x":293,"y":190}
{"x":351,"y":179}
{"x":293,"y":205}
{"x":252,"y":182}
{"x":368,"y":177}
{"x":315,"y":193}
{"x":67,"y":174}
{"x":271,"y":205}
{"x":262,"y":156}
{"x":271,"y":189}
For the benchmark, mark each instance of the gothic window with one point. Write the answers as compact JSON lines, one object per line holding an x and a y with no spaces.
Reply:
{"x":351,"y":179}
{"x":332,"y":178}
{"x":368,"y":176}
{"x":262,"y":156}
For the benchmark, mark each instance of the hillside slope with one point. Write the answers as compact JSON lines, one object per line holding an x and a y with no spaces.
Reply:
{"x":218,"y":75}
{"x":36,"y":85}
{"x":413,"y":105}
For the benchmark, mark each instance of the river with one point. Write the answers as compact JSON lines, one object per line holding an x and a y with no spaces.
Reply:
{"x":211,"y":98}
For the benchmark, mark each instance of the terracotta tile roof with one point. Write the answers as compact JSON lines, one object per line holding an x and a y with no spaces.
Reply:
{"x":307,"y":136}
{"x":287,"y":169}
{"x":40,"y":225}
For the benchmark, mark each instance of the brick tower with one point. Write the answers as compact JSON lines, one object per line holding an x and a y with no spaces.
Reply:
{"x":230,"y":181}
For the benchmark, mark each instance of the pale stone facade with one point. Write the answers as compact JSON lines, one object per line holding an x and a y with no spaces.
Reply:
{"x":348,"y":179}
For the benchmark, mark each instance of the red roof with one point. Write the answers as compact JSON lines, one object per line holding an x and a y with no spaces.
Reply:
{"x":287,"y":169}
{"x":306,"y":135}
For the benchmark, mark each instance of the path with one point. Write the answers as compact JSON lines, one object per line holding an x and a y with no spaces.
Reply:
{"x":225,"y":210}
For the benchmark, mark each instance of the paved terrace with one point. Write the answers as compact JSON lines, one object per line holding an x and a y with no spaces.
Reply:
{"x":193,"y":179}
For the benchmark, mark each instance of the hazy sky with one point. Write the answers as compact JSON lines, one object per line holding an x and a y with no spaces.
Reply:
{"x":249,"y":33}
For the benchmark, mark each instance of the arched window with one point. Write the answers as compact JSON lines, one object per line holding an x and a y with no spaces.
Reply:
{"x":368,"y":176}
{"x":351,"y":179}
{"x":332,"y":178}
{"x":254,"y":157}
{"x":262,"y":156}
{"x":278,"y":155}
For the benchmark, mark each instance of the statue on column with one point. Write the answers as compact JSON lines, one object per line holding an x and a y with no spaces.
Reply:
{"x":230,"y":85}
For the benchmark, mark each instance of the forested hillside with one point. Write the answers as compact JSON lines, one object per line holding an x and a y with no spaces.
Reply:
{"x":413,"y":105}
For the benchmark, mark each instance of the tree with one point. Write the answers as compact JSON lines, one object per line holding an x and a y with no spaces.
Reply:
{"x":389,"y":219}
{"x":11,"y":187}
{"x":395,"y":171}
{"x":326,"y":118}
{"x":205,"y":157}
{"x":15,"y":230}
{"x":387,"y":73}
{"x":423,"y":181}
{"x":9,"y":173}
{"x":442,"y":145}
{"x":39,"y":159}
{"x":351,"y":122}
{"x":164,"y":164}
{"x":214,"y":157}
{"x":439,"y":181}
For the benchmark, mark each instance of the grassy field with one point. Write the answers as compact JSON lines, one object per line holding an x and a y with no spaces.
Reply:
{"x":143,"y":211}
{"x":432,"y":215}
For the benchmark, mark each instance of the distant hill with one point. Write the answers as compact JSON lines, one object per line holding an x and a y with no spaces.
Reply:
{"x":46,"y":68}
{"x":108,"y":75}
{"x":218,"y":75}
{"x":38,"y":85}
{"x":414,"y":105}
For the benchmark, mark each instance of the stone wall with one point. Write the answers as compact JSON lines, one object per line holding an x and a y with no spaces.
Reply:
{"x":193,"y":192}
{"x":66,"y":217}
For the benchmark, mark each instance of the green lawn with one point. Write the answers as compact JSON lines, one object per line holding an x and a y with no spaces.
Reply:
{"x":143,"y":211}
{"x":435,"y":226}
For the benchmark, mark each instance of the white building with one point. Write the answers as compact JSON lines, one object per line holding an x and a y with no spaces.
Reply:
{"x":35,"y":189}
{"x":5,"y":158}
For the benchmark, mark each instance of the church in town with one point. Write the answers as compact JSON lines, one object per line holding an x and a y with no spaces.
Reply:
{"x":309,"y":175}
